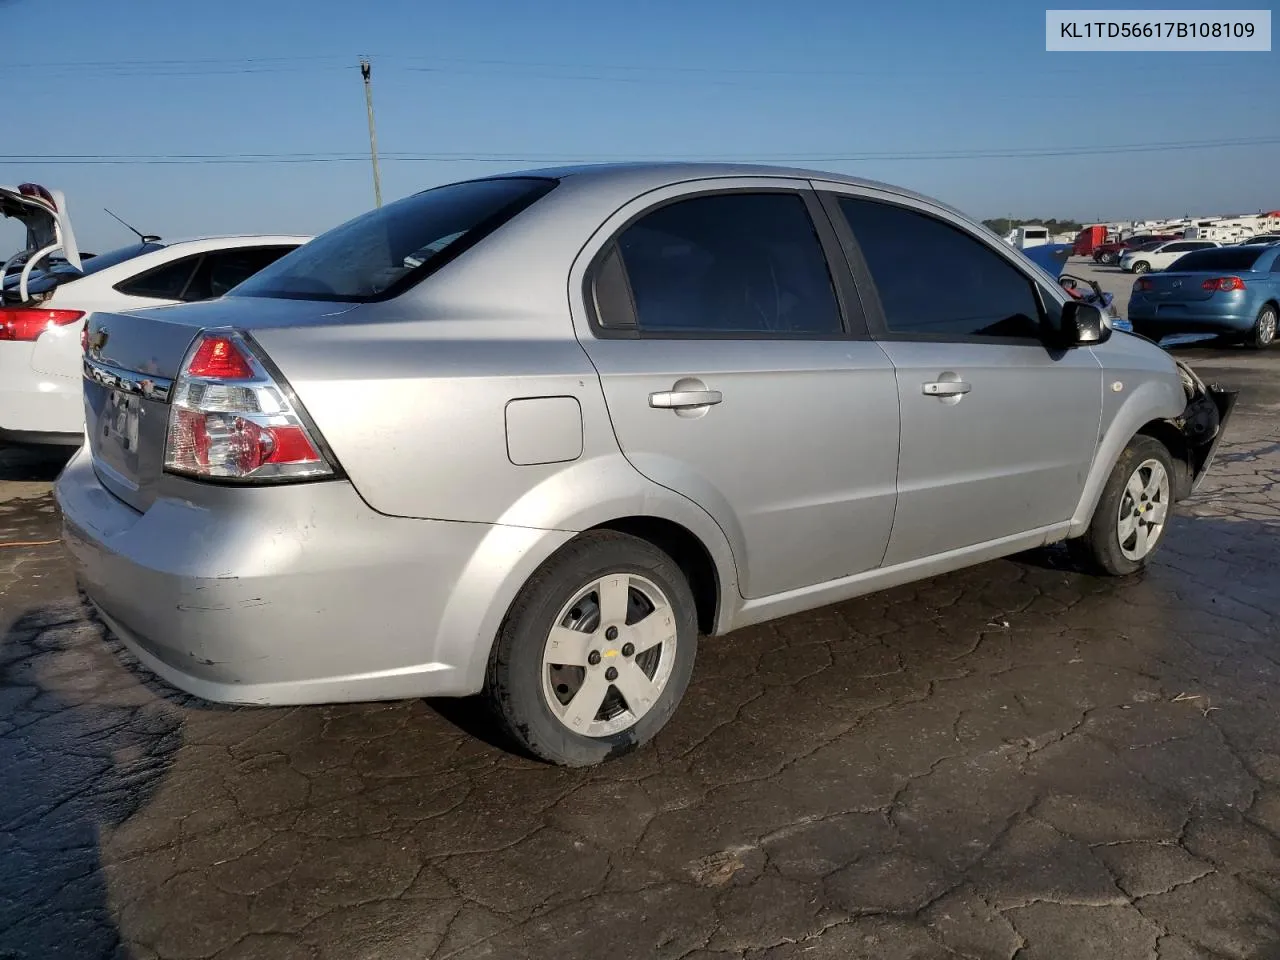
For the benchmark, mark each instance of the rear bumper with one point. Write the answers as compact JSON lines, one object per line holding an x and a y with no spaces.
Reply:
{"x":1189,"y":322}
{"x":37,"y":407}
{"x":294,"y":594}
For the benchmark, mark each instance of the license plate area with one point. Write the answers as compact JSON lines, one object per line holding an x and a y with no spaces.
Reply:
{"x":121,"y":420}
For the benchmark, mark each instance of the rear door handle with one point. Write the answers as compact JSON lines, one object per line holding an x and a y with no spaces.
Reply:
{"x":946,"y":388}
{"x":679,"y":399}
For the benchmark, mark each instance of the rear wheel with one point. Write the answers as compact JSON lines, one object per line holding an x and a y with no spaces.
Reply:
{"x":596,"y":651}
{"x":1132,"y":513}
{"x":1263,"y":333}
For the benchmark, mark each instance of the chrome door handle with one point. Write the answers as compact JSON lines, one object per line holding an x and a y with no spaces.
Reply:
{"x":946,"y":388}
{"x":679,"y":399}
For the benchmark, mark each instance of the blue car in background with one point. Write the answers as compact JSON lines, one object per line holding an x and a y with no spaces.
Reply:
{"x":1231,"y":291}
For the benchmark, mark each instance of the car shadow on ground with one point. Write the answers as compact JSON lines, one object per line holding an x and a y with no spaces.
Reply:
{"x":80,"y":756}
{"x":33,"y":464}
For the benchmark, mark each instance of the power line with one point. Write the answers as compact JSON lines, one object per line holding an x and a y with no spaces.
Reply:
{"x":534,"y":157}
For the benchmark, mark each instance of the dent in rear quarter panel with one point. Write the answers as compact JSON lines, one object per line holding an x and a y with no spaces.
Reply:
{"x":1140,"y":383}
{"x":415,"y":410}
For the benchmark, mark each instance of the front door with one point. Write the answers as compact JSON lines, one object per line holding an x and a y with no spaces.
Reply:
{"x":739,"y":375}
{"x":998,"y":431}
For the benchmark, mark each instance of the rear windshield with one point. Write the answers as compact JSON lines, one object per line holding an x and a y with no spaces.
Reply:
{"x":1220,"y":258}
{"x":385,"y":251}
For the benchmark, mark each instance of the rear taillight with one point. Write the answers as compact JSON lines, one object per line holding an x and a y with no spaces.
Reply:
{"x":1143,"y":284}
{"x":231,"y":418}
{"x":1223,"y":284}
{"x":27,"y":323}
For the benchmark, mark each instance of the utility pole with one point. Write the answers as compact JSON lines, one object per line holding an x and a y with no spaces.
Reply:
{"x":366,"y":71}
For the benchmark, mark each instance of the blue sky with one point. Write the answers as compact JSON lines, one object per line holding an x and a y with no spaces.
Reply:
{"x":802,"y":81}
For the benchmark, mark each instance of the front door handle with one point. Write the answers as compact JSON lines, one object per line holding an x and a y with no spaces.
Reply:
{"x":680,"y":399}
{"x":946,"y":388}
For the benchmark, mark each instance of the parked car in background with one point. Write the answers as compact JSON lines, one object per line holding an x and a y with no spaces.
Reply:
{"x":1160,"y":255}
{"x":40,"y":350}
{"x":543,"y":429}
{"x":1260,"y":238}
{"x":1111,"y":252}
{"x":1234,"y":291}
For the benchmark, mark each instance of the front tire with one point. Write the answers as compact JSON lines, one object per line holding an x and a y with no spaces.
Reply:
{"x":596,"y":651}
{"x":1141,"y":266}
{"x":1263,"y":333}
{"x":1133,"y":512}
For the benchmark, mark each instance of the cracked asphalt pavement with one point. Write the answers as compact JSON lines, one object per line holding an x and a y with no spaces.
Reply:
{"x":1013,"y":761}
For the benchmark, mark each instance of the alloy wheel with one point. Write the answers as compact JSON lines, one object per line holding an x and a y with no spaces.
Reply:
{"x":1143,"y":510}
{"x":609,"y":655}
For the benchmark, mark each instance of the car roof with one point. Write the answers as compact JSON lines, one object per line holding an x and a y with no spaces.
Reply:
{"x":641,"y":176}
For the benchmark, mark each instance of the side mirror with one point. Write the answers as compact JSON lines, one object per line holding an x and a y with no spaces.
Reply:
{"x":1084,"y":324}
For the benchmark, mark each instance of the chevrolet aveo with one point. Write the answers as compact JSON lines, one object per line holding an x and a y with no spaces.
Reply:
{"x":531,"y":435}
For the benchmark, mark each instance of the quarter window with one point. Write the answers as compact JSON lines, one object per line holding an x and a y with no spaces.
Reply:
{"x":223,"y":269}
{"x":744,"y":264}
{"x":936,"y":280}
{"x":165,"y":282}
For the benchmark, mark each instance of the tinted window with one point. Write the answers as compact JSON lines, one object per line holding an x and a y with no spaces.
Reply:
{"x":163,"y":283}
{"x":1178,"y":247}
{"x":386,"y":250}
{"x":224,"y":269}
{"x":735,"y":263}
{"x":935,"y":279}
{"x":1219,"y":258}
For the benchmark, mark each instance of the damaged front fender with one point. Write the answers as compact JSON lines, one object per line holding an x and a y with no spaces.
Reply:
{"x":1202,"y":424}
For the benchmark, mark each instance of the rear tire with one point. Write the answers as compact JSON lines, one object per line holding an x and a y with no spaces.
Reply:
{"x":1133,"y":512}
{"x":1263,"y":333}
{"x":586,"y":606}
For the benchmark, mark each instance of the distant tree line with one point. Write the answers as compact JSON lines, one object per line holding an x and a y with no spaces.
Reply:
{"x":1002,"y":225}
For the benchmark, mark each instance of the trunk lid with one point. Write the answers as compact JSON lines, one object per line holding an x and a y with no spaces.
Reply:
{"x":131,"y":362}
{"x":1177,"y":287}
{"x":44,"y":214}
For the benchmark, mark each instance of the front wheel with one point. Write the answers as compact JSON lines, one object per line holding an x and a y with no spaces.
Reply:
{"x":1263,"y":333}
{"x":1141,"y":266}
{"x":1132,"y":513}
{"x":596,"y":652}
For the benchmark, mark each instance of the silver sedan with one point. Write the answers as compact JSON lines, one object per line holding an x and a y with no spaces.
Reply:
{"x":531,"y":435}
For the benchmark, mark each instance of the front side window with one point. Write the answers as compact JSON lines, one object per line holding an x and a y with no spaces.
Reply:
{"x":749,"y":264}
{"x":937,"y":280}
{"x":386,"y":250}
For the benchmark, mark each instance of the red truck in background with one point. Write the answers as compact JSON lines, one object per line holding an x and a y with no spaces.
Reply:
{"x":1088,"y":240}
{"x":1111,"y":252}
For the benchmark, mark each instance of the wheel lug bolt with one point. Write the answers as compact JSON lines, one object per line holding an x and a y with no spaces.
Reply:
{"x":611,"y":634}
{"x":593,"y":657}
{"x":628,"y":649}
{"x":611,"y":674}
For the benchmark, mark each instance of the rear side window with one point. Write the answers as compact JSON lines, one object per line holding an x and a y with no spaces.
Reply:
{"x":741,"y":264}
{"x":1218,"y":258}
{"x":385,"y":251}
{"x":936,"y":280}
{"x":165,"y":282}
{"x":222,"y":270}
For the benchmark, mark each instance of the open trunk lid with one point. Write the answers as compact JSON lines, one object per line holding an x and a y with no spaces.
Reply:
{"x":44,"y":213}
{"x":131,"y":363}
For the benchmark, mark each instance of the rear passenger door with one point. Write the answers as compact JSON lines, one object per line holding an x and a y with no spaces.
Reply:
{"x":998,"y":431}
{"x":738,"y":372}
